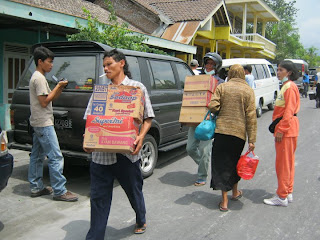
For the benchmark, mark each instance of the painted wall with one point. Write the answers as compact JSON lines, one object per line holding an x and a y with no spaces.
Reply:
{"x":17,"y":36}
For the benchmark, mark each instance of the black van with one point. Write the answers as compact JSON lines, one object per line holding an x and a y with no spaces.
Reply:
{"x":80,"y":62}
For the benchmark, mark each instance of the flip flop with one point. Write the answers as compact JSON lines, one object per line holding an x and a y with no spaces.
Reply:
{"x":237,"y":197}
{"x":199,"y":183}
{"x":222,"y":209}
{"x":139,"y":229}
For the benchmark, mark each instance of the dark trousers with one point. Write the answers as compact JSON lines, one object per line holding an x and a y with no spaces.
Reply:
{"x":129,"y":176}
{"x":305,"y":89}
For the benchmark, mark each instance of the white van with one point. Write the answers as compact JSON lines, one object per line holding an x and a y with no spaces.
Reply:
{"x":265,"y":79}
{"x":302,"y":68}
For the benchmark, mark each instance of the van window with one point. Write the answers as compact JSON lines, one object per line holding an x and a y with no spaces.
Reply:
{"x":300,"y":70}
{"x":162,"y":75}
{"x":266,"y":72}
{"x":134,"y":68}
{"x":183,"y":71}
{"x":260,"y":71}
{"x":273,"y":73}
{"x":254,"y":72}
{"x":68,"y":67}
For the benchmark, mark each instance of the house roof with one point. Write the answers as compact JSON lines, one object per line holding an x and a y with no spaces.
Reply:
{"x":74,"y":8}
{"x":182,"y":10}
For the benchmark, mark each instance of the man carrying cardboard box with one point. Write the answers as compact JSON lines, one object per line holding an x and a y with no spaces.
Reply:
{"x":198,"y":150}
{"x":105,"y":167}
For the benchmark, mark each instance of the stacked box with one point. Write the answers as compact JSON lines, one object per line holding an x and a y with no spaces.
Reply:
{"x":115,"y":116}
{"x":196,"y":99}
{"x":110,"y":133}
{"x":118,"y":101}
{"x":197,"y":95}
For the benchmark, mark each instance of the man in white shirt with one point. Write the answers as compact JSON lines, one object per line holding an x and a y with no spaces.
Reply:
{"x":249,"y":76}
{"x":194,"y":64}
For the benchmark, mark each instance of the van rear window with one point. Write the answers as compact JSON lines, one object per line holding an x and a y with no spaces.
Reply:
{"x":80,"y":71}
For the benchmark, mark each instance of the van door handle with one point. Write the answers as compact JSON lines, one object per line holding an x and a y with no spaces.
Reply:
{"x":60,"y":114}
{"x":156,"y":109}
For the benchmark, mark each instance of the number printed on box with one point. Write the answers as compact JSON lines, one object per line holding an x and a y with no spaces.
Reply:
{"x":98,"y":108}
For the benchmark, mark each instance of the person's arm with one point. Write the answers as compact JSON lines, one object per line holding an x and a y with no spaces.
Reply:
{"x":46,"y":99}
{"x":86,"y":113}
{"x":144,"y":130}
{"x":214,"y":105}
{"x":290,"y":107}
{"x":251,"y":121}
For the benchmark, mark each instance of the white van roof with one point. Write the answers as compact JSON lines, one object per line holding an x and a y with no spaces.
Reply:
{"x":243,"y":61}
{"x":298,"y":61}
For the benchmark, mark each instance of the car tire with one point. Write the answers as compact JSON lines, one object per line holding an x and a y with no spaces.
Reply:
{"x":271,"y":105}
{"x":259,"y":110}
{"x":149,"y":156}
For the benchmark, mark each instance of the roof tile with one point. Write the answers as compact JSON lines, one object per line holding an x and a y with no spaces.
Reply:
{"x":182,"y":10}
{"x":74,"y":8}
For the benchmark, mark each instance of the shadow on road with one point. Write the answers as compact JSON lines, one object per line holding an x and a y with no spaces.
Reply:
{"x":78,"y":228}
{"x":256,"y":195}
{"x":179,"y":179}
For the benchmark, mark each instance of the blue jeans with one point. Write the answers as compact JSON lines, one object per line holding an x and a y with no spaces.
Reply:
{"x":45,"y":143}
{"x":130,"y":178}
{"x":200,"y":152}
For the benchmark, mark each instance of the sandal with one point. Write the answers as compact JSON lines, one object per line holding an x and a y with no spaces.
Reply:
{"x":222,"y":209}
{"x":237,"y":197}
{"x":199,"y":183}
{"x":139,"y":229}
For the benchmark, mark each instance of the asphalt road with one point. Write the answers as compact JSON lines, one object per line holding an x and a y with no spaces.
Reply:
{"x":175,"y":208}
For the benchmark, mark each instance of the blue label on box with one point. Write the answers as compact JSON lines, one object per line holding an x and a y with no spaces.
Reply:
{"x":98,"y":108}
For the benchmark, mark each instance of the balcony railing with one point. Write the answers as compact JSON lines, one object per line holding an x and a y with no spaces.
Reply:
{"x":255,"y":37}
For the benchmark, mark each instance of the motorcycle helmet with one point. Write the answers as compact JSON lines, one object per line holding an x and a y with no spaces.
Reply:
{"x":215,"y":57}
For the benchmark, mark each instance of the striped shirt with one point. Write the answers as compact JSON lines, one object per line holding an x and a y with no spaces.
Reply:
{"x":106,"y":158}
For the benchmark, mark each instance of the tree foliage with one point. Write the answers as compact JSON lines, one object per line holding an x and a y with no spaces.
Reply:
{"x":286,"y":35}
{"x":114,"y":34}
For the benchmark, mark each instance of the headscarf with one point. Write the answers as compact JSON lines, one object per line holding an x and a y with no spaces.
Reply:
{"x":236,"y":71}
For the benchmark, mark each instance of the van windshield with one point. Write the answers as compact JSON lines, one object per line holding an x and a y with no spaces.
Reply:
{"x":80,"y":71}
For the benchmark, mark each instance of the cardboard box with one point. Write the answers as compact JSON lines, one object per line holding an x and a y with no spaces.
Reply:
{"x":110,"y":133}
{"x":200,"y":83}
{"x":192,"y":115}
{"x":196,"y":99}
{"x":110,"y":100}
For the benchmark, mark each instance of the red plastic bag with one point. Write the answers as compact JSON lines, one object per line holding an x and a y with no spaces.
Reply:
{"x":247,"y":165}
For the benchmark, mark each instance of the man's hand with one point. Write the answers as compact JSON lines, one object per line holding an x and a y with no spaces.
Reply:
{"x":87,"y":150}
{"x":63,"y":84}
{"x":251,"y":147}
{"x":278,"y":137}
{"x":138,"y":143}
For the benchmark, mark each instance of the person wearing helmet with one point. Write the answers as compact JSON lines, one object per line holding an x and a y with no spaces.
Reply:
{"x":212,"y":63}
{"x":200,"y":151}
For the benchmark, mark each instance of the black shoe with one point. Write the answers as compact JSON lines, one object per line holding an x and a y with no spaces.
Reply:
{"x":46,"y":191}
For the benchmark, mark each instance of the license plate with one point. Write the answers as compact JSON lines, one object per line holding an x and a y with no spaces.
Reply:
{"x":63,"y":123}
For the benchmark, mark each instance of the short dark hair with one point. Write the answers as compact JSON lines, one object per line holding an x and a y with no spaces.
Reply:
{"x":248,"y":68}
{"x":290,"y":67}
{"x":42,"y":53}
{"x":118,"y":56}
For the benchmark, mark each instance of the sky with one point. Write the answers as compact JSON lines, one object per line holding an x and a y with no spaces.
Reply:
{"x":308,"y":22}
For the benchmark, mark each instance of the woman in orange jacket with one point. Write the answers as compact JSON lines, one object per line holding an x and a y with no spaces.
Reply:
{"x":286,"y":133}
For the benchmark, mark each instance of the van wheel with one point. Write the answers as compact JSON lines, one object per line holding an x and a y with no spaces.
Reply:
{"x":271,"y":105}
{"x":259,"y":110}
{"x":149,"y":156}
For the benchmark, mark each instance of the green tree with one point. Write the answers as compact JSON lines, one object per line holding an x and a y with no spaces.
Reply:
{"x":311,"y":57}
{"x":115,"y":34}
{"x":286,"y":35}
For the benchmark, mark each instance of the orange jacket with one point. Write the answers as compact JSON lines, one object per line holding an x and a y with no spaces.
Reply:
{"x":287,"y":104}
